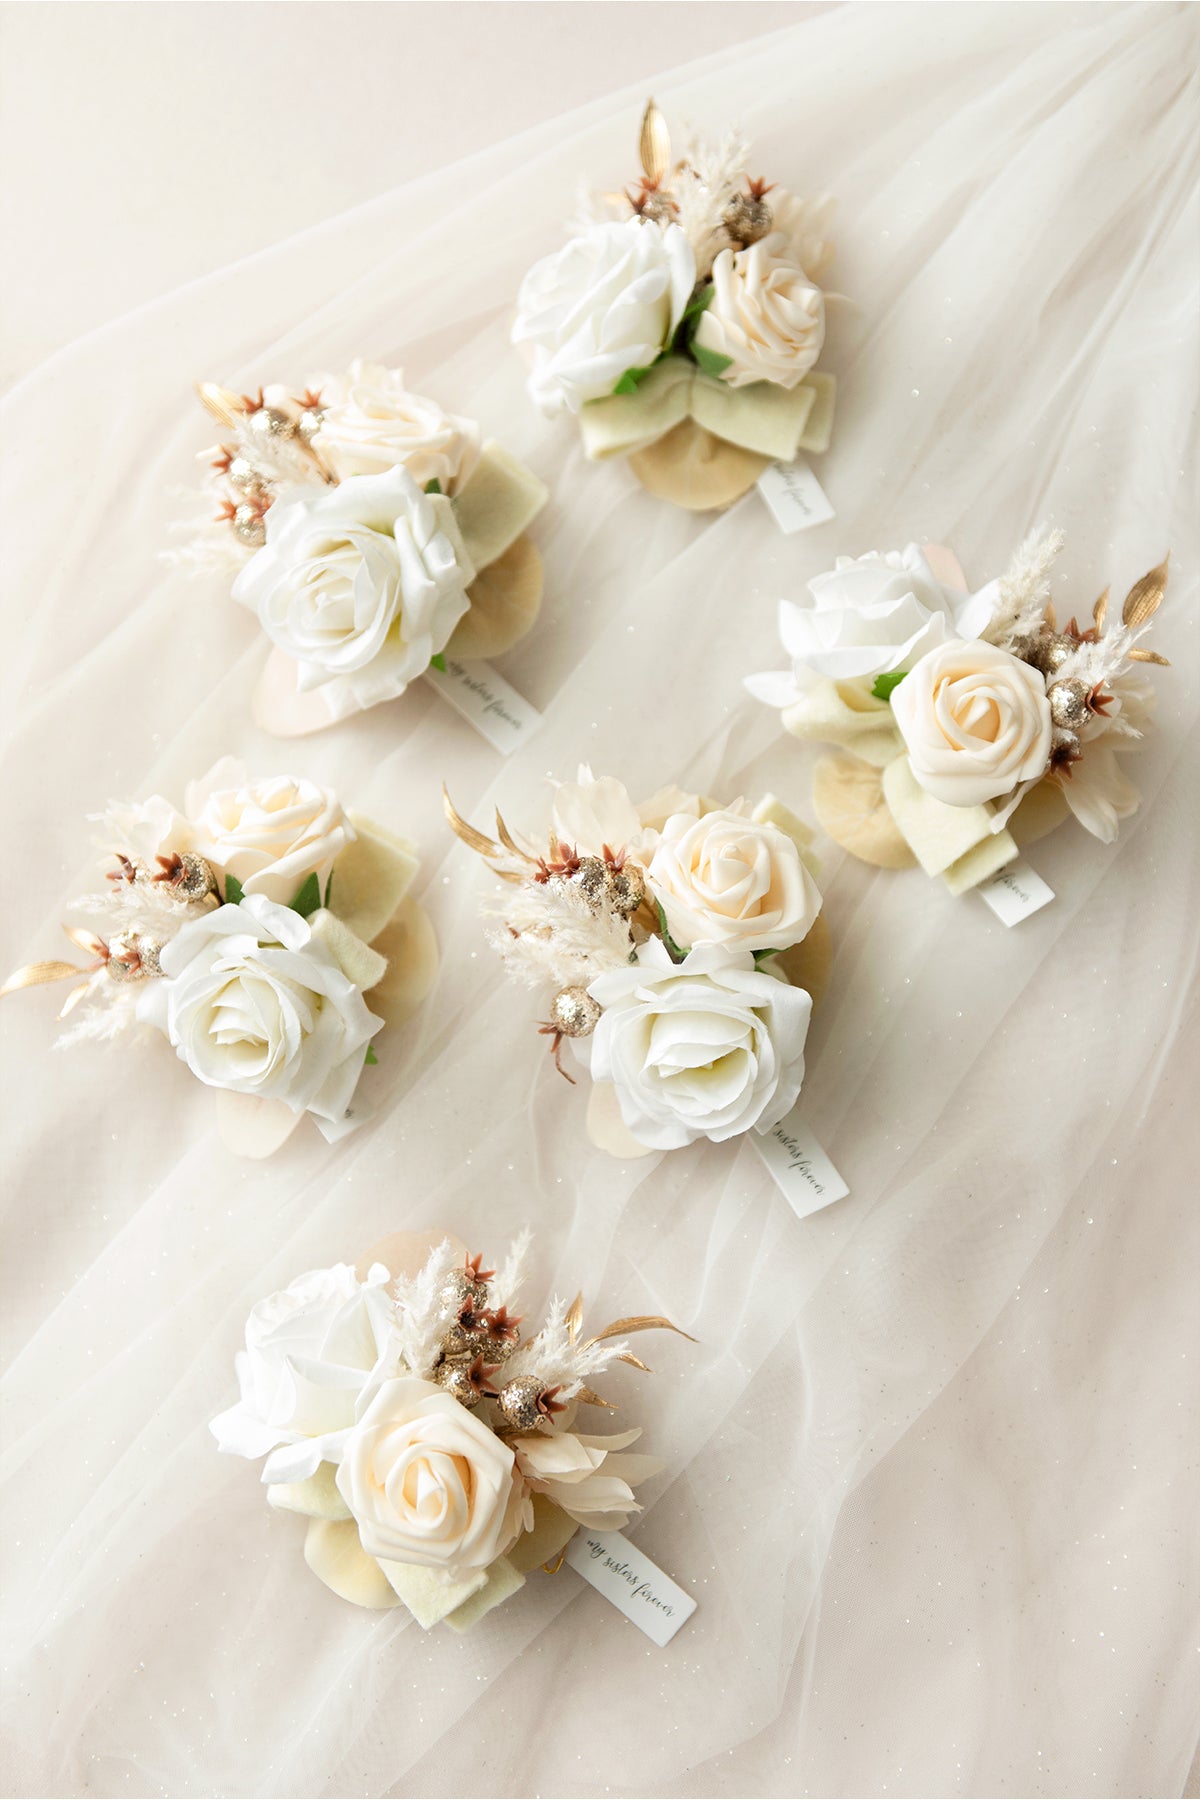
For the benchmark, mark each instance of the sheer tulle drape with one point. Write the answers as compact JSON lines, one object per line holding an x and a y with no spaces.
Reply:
{"x":928,"y":1459}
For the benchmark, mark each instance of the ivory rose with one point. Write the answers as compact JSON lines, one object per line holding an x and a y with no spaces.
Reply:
{"x":975,"y":721}
{"x":708,"y":1047}
{"x":609,"y":301}
{"x":428,"y":1483}
{"x":725,"y":879}
{"x":271,"y":834}
{"x":765,"y":315}
{"x":260,"y":1001}
{"x":312,"y":1352}
{"x":361,"y":584}
{"x":371,"y":423}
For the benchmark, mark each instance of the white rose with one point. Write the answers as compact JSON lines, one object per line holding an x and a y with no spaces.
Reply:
{"x":703,"y":1048}
{"x":765,"y":315}
{"x":270,"y":834}
{"x":312,"y":1353}
{"x":870,"y":615}
{"x":724,"y":879}
{"x":361,"y":583}
{"x":976,"y":722}
{"x":608,"y":302}
{"x":261,"y":1001}
{"x":428,"y":1483}
{"x":372,"y":422}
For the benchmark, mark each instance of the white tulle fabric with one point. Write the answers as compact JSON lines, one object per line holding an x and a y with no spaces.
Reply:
{"x":928,"y":1459}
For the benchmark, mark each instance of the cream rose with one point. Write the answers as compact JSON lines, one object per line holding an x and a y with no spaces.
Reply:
{"x":270,"y":834}
{"x":724,"y":879}
{"x":870,"y":615}
{"x":975,"y":721}
{"x":361,"y":583}
{"x":261,"y":1001}
{"x":313,"y":1351}
{"x":708,"y":1047}
{"x":372,"y":423}
{"x":608,"y":302}
{"x":428,"y":1483}
{"x":765,"y":315}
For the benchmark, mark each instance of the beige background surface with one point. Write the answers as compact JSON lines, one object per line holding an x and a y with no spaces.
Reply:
{"x":150,"y":143}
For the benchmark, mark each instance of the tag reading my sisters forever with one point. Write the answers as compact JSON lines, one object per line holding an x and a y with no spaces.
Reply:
{"x":496,"y":710}
{"x":1014,"y":892}
{"x":802,"y":1171}
{"x":794,"y":496}
{"x":619,"y":1571}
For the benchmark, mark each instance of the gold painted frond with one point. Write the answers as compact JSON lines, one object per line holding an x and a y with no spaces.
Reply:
{"x":1146,"y":596}
{"x":654,"y":144}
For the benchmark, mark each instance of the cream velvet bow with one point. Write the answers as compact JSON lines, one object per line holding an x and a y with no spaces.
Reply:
{"x":771,"y":421}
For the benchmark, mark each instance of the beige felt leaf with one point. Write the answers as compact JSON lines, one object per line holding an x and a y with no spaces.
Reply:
{"x":848,"y":800}
{"x":807,"y":964}
{"x":981,"y":860}
{"x":316,"y":1498}
{"x":937,"y":834}
{"x":694,"y":469}
{"x":505,"y":599}
{"x":607,"y":1129}
{"x":1040,"y":812}
{"x":252,"y":1127}
{"x":427,"y":1593}
{"x":334,"y":1553}
{"x":503,"y":1580}
{"x":501,"y":498}
{"x":411,"y":949}
{"x":371,"y":877}
{"x":1146,"y":596}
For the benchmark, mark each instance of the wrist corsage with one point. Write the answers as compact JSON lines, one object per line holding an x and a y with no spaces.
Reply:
{"x":266,"y":933}
{"x":371,"y":533}
{"x":683,"y":322}
{"x":681,"y":944}
{"x":431,"y":1445}
{"x":974,"y":723}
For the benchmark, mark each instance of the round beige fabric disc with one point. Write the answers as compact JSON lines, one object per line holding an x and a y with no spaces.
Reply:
{"x":505,"y":598}
{"x":1041,"y":811}
{"x":848,"y":800}
{"x":807,"y":963}
{"x":692,"y":468}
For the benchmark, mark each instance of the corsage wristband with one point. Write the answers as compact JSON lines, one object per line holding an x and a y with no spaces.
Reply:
{"x":371,"y":533}
{"x":973,"y":723}
{"x":267,"y":934}
{"x":681,"y":944}
{"x":683,"y":321}
{"x":431,"y":1445}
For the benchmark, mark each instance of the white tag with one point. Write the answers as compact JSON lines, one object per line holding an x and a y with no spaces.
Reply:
{"x":794,"y":496}
{"x":1014,"y":892}
{"x":631,"y":1582}
{"x":496,"y":710}
{"x":804,"y":1174}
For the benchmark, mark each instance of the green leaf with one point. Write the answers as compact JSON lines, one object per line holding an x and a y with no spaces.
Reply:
{"x":434,"y":486}
{"x":307,"y":897}
{"x":628,"y":383}
{"x":674,"y":950}
{"x":884,"y":686}
{"x":233,"y":891}
{"x":438,"y":662}
{"x":700,"y":301}
{"x":709,"y":360}
{"x":760,"y":956}
{"x":370,"y":1059}
{"x":328,"y":888}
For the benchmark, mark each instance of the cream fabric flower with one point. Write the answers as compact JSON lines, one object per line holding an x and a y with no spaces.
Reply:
{"x":587,"y":1477}
{"x":361,"y":584}
{"x":608,"y":302}
{"x":725,"y":879}
{"x":708,"y":1047}
{"x":373,"y":423}
{"x":313,"y":1351}
{"x":428,"y":1483}
{"x":765,"y":315}
{"x":260,"y":1001}
{"x":976,"y":722}
{"x":271,"y":833}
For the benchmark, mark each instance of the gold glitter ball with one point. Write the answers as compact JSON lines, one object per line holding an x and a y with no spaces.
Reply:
{"x":250,"y":526}
{"x":626,"y":890}
{"x":746,"y":219}
{"x":574,"y":1012}
{"x":1069,"y":703}
{"x":271,"y":422}
{"x":519,"y":1402}
{"x":132,"y":956}
{"x":455,"y":1377}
